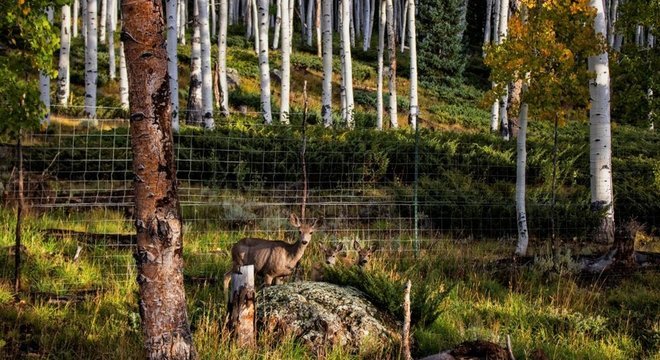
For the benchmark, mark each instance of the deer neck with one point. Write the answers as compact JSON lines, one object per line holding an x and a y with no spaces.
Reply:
{"x":297,"y":251}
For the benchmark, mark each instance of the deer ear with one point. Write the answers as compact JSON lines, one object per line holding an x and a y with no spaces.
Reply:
{"x":318,"y":222}
{"x":293,"y":219}
{"x":372,"y":248}
{"x":339,"y":247}
{"x":356,"y":245}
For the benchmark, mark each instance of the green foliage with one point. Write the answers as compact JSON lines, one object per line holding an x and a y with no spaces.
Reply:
{"x":440,"y":27}
{"x":27,"y":43}
{"x":548,"y":50}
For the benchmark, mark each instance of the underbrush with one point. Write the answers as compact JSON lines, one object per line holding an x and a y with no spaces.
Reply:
{"x":458,"y":294}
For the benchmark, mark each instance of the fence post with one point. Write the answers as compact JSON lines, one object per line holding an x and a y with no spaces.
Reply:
{"x":241,"y":307}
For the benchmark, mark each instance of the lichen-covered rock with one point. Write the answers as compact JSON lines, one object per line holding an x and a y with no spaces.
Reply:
{"x":323,"y":315}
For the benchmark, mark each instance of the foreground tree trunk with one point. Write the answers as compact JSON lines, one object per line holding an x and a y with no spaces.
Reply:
{"x":159,"y":254}
{"x":600,"y":134}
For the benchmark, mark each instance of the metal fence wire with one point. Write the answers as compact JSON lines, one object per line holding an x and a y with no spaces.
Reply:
{"x":394,"y":189}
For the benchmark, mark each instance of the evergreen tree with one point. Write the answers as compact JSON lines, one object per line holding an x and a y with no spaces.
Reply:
{"x":441,"y":24}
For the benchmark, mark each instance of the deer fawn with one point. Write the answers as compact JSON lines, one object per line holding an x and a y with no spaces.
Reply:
{"x":272,"y":259}
{"x":364,"y":254}
{"x":330,"y":254}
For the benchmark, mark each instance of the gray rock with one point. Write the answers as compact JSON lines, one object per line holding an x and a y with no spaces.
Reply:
{"x":323,"y":315}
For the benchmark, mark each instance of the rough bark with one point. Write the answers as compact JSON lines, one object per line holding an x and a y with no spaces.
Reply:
{"x":381,"y":51}
{"x":326,"y":110}
{"x":207,"y":76}
{"x":521,"y":165}
{"x":348,"y":64}
{"x":600,"y":134}
{"x":194,"y":115}
{"x":63,"y":88}
{"x":91,"y":60}
{"x":159,"y":253}
{"x":412,"y":42}
{"x":264,"y":67}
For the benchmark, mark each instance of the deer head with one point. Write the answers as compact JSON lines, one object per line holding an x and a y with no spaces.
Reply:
{"x":364,"y":254}
{"x":331,"y":253}
{"x":306,"y":230}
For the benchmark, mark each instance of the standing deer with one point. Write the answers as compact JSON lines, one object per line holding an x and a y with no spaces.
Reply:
{"x":272,"y":259}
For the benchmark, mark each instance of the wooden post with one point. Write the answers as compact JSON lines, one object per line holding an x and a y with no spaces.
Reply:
{"x":19,"y":218}
{"x":405,"y":338}
{"x":242,"y":308}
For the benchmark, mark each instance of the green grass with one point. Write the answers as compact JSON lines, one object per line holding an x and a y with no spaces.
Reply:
{"x":563,"y":315}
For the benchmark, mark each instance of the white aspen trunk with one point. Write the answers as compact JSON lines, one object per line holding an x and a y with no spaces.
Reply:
{"x":112,"y":63}
{"x":381,"y":51}
{"x":91,"y":63}
{"x":613,"y":9}
{"x":649,"y":96}
{"x":194,"y":115}
{"x":326,"y":110}
{"x":495,"y":115}
{"x":278,"y":24}
{"x":650,"y":39}
{"x":412,"y":42}
{"x":255,"y":25}
{"x":496,"y":22}
{"x":366,"y":23}
{"x":487,"y":27}
{"x":351,"y":23}
{"x":248,"y":20}
{"x":503,"y":31}
{"x":348,"y":64}
{"x":123,"y":78}
{"x":403,"y":27}
{"x":521,"y":164}
{"x":74,"y":22}
{"x":286,"y":62}
{"x":222,"y":57}
{"x":310,"y":13}
{"x":264,"y":67}
{"x":639,"y":38}
{"x":84,"y":22}
{"x":391,"y":49}
{"x":207,"y":78}
{"x":342,"y":88}
{"x":600,"y":133}
{"x":182,"y":21}
{"x":292,"y":6}
{"x":213,"y":18}
{"x":172,"y":62}
{"x":102,"y":17}
{"x":317,"y":25}
{"x":372,"y":4}
{"x":44,"y":82}
{"x":63,"y":87}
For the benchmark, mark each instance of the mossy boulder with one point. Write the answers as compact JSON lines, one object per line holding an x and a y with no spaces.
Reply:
{"x":323,"y":315}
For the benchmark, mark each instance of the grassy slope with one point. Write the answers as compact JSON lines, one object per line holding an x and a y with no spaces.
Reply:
{"x":568,"y":318}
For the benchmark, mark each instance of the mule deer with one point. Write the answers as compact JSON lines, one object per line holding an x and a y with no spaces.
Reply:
{"x":364,"y":254}
{"x":330,"y":253}
{"x":272,"y":259}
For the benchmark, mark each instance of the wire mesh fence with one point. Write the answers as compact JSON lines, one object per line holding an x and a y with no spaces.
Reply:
{"x":394,"y":189}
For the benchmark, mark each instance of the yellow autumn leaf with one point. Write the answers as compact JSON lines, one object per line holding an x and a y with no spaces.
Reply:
{"x":26,"y":10}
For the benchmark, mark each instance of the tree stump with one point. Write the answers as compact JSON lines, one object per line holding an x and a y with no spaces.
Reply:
{"x":241,"y":307}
